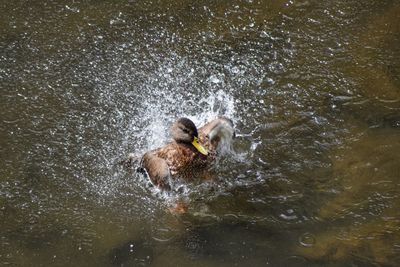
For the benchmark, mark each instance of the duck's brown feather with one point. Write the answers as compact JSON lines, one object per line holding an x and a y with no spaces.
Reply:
{"x":174,"y":159}
{"x":182,"y":159}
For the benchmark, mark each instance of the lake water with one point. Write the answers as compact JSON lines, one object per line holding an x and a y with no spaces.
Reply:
{"x":313,"y":88}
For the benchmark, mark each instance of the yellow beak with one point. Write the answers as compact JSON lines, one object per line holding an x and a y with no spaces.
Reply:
{"x":199,"y":147}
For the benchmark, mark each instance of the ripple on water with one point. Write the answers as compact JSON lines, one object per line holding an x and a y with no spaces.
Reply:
{"x":307,"y":240}
{"x":87,"y":83}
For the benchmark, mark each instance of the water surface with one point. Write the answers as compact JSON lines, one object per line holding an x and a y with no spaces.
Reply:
{"x":313,"y":88}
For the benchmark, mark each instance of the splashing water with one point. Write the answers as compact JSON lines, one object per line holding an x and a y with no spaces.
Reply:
{"x":137,"y":117}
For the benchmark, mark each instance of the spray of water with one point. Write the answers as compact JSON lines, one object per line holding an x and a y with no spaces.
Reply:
{"x":136,"y":108}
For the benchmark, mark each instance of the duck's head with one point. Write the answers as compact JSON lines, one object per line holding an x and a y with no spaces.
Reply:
{"x":184,"y":131}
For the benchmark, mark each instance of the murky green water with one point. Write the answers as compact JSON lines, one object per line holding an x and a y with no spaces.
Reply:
{"x":312,"y":86}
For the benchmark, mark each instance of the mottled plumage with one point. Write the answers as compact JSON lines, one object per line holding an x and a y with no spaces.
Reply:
{"x":184,"y":157}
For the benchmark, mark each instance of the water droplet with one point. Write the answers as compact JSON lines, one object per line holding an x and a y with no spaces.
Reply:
{"x":215,"y":79}
{"x":263,"y":34}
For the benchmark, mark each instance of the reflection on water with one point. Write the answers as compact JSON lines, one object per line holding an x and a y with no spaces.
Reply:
{"x":313,"y":89}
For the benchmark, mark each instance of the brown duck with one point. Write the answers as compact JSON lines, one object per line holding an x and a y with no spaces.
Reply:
{"x":190,"y":154}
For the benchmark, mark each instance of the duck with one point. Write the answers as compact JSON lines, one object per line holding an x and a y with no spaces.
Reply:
{"x":190,"y":154}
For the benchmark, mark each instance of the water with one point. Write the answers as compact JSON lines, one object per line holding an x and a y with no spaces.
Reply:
{"x":313,"y":90}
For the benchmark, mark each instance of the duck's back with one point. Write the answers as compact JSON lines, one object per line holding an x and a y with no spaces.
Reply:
{"x":174,"y":159}
{"x":179,"y":157}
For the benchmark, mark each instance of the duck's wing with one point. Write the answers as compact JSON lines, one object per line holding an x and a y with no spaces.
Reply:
{"x":164,"y":163}
{"x":212,"y":132}
{"x":177,"y":156}
{"x":157,"y":169}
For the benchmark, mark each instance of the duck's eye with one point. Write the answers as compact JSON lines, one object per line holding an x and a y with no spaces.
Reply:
{"x":185,"y":130}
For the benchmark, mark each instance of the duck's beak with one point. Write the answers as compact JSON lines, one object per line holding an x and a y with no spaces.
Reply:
{"x":199,"y":147}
